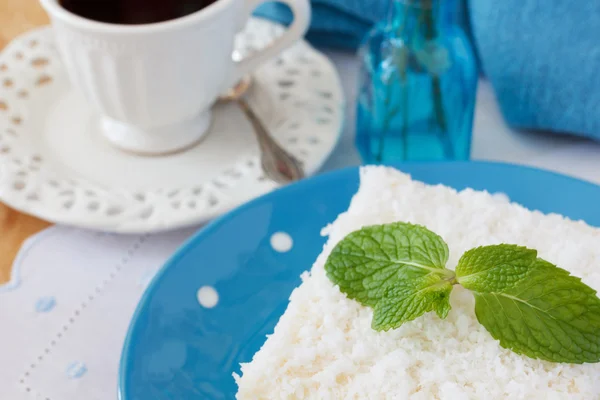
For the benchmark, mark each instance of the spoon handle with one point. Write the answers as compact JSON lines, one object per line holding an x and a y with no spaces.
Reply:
{"x":278,"y":164}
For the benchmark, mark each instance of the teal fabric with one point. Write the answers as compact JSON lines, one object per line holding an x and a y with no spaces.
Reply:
{"x":339,"y":23}
{"x":541,"y":57}
{"x":335,"y":23}
{"x":543,"y":60}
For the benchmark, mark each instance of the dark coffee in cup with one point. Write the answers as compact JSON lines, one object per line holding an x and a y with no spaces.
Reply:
{"x":133,"y":12}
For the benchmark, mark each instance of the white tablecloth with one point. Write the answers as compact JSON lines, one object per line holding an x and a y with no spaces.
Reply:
{"x":65,"y":312}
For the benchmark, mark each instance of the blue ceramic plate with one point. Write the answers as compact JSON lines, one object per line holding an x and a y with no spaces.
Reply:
{"x":178,"y":349}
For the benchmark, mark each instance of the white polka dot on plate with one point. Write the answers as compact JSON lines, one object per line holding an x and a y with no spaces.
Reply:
{"x":207,"y":296}
{"x":281,"y":242}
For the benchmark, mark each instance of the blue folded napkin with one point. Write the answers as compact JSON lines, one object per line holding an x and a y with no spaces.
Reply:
{"x":335,"y":23}
{"x":338,"y":23}
{"x":543,"y":59}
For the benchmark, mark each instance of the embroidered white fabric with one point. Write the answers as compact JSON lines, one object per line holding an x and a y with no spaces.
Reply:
{"x":66,"y":310}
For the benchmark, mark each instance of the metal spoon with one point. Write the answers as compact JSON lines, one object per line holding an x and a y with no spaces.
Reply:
{"x":277,"y":164}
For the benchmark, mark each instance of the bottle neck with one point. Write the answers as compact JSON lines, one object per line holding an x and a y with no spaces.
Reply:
{"x":421,"y":20}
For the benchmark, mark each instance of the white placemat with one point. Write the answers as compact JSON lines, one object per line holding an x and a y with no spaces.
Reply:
{"x":65,"y":313}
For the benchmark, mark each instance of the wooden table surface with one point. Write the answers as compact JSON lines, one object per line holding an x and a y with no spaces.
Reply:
{"x":16,"y":16}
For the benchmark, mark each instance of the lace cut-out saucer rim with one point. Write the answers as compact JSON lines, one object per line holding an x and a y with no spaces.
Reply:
{"x":302,"y":84}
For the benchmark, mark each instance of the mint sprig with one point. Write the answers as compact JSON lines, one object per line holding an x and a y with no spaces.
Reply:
{"x":531,"y":306}
{"x":398,"y":269}
{"x":407,"y":300}
{"x":538,"y":309}
{"x":494,"y":267}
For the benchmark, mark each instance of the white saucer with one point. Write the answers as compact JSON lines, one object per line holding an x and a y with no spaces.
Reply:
{"x":56,"y":165}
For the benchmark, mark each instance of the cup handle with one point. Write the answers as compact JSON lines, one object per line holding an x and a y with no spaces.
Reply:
{"x":299,"y":26}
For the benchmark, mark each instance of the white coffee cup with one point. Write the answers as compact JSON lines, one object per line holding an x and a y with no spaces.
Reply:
{"x":154,"y":84}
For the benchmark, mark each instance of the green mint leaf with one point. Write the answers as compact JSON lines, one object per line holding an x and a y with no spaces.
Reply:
{"x":540,"y":311}
{"x":409,"y":300}
{"x":494,"y":267}
{"x":400,"y":264}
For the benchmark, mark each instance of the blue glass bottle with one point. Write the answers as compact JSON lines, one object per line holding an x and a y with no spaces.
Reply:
{"x":417,"y":85}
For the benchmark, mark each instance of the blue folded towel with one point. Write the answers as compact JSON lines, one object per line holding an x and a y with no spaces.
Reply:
{"x":335,"y":23}
{"x":338,"y":23}
{"x":543,"y":59}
